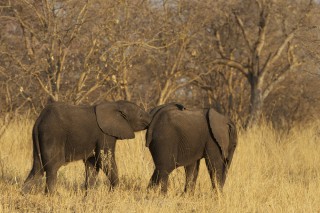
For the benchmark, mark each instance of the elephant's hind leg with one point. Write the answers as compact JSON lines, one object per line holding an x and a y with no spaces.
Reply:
{"x":51,"y":180}
{"x":34,"y":177}
{"x":160,"y":178}
{"x":109,"y":167}
{"x":217,"y":173}
{"x":191,"y":176}
{"x":92,"y":170}
{"x":51,"y":169}
{"x":215,"y":165}
{"x":154,"y":181}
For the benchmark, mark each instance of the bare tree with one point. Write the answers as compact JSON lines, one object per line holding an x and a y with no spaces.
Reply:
{"x":267,"y":49}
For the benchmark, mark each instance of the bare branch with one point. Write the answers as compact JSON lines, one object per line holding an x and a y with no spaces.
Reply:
{"x":282,"y":76}
{"x":40,"y":17}
{"x":79,"y":21}
{"x":44,"y":87}
{"x":233,"y":64}
{"x":280,"y":49}
{"x":244,"y":34}
{"x":219,"y":43}
{"x":86,"y":71}
{"x":88,"y":92}
{"x":262,"y":32}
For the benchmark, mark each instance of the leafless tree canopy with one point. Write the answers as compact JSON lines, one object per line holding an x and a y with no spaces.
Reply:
{"x":248,"y":59}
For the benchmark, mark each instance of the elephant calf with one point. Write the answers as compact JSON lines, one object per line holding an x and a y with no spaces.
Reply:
{"x":64,"y":133}
{"x":181,"y":137}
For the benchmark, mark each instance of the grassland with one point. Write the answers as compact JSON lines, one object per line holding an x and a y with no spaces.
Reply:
{"x":271,"y":172}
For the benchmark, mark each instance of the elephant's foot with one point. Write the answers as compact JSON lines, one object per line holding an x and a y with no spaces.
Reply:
{"x":31,"y":185}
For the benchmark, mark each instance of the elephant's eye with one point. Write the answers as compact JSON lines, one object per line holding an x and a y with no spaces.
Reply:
{"x":124,"y":115}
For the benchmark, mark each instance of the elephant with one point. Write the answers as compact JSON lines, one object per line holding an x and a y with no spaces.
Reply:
{"x":178,"y":136}
{"x":64,"y":133}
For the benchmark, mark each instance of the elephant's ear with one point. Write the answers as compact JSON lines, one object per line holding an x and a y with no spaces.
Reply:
{"x":220,"y":130}
{"x":112,"y":121}
{"x":156,"y":112}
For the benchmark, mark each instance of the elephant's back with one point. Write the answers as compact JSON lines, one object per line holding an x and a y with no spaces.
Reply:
{"x":186,"y":121}
{"x":190,"y":124}
{"x":65,"y":113}
{"x":176,"y":116}
{"x":59,"y":117}
{"x":186,"y":132}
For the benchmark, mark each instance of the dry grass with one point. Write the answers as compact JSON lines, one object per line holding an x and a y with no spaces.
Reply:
{"x":269,"y":173}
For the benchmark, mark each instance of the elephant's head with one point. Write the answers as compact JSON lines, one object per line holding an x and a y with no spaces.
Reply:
{"x":121,"y":119}
{"x":224,"y":132}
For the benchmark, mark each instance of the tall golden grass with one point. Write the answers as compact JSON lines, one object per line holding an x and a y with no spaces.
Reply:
{"x":270,"y":173}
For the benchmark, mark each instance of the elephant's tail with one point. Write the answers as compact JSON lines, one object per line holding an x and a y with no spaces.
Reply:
{"x":37,"y":159}
{"x":155,"y":113}
{"x":233,"y":137}
{"x":233,"y":133}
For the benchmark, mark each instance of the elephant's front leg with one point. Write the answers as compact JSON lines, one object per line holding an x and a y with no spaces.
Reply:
{"x":191,"y":176}
{"x":92,"y":169}
{"x":109,"y":166}
{"x":160,"y":178}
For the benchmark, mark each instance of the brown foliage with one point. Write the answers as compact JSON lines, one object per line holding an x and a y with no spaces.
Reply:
{"x":247,"y":58}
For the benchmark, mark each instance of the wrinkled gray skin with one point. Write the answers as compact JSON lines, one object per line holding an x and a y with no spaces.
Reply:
{"x":65,"y":133}
{"x":181,"y":137}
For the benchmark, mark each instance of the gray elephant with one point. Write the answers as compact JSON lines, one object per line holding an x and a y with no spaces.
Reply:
{"x":181,"y":137}
{"x":65,"y":133}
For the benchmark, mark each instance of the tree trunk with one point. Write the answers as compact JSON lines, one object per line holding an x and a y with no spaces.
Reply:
{"x":161,"y":100}
{"x":164,"y":93}
{"x":256,"y":101}
{"x":126,"y":89}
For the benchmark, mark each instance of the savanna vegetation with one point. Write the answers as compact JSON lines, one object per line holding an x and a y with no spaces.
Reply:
{"x":269,"y":173}
{"x":256,"y":61}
